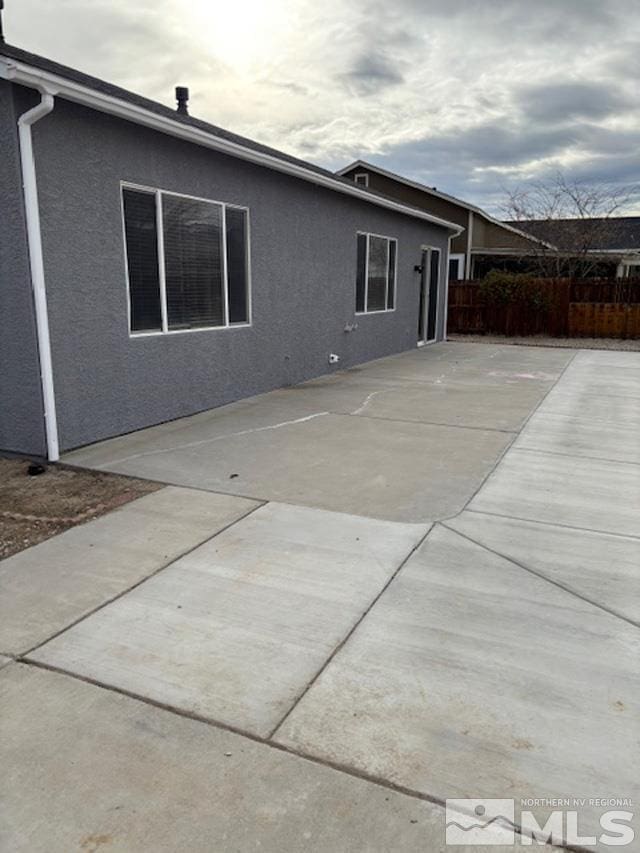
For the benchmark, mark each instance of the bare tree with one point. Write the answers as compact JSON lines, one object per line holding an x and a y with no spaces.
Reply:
{"x":571,"y":221}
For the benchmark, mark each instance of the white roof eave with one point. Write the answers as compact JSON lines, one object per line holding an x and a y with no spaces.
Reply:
{"x":44,"y":81}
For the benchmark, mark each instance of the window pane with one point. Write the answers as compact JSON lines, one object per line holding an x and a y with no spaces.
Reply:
{"x":361,"y":271}
{"x":142,"y":260}
{"x":391,"y":294}
{"x":192,"y":255}
{"x":237,"y":264}
{"x":378,"y":265}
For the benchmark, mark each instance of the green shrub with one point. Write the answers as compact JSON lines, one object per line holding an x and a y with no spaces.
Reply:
{"x":505,"y":288}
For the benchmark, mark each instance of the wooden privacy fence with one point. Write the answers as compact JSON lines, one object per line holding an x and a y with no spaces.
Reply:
{"x":599,"y":308}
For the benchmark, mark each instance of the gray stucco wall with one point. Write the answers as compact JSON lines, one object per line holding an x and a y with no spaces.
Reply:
{"x":303,"y":259}
{"x":21,"y":413}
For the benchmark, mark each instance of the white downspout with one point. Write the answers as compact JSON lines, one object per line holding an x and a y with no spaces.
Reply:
{"x":32,"y":215}
{"x":445,"y":325}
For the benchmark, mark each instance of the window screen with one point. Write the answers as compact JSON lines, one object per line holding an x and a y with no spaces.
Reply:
{"x":236,"y":223}
{"x":362,"y":272}
{"x":391,"y":292}
{"x":142,"y":260}
{"x":376,"y":273}
{"x":193,"y":262}
{"x":202,"y":287}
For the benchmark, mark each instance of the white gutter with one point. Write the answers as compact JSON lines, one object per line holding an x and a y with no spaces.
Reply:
{"x":27,"y":75}
{"x":32,"y":215}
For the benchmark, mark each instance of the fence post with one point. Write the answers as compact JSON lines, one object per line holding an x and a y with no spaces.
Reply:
{"x":560,"y":311}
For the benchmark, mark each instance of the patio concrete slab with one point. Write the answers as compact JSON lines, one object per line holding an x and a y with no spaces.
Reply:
{"x":4,"y":661}
{"x":123,"y":776}
{"x":578,"y":492}
{"x":593,"y":412}
{"x":581,"y":402}
{"x":604,"y":568}
{"x":397,"y":471}
{"x":473,"y":678}
{"x":235,"y":630}
{"x":477,"y":397}
{"x":382,"y":439}
{"x":615,"y":382}
{"x":50,"y":586}
{"x":577,"y":435}
{"x":609,"y":358}
{"x":465,"y":361}
{"x":478,"y":404}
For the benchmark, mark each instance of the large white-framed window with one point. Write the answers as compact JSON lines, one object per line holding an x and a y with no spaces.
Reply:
{"x":376,"y":274}
{"x":187,"y":262}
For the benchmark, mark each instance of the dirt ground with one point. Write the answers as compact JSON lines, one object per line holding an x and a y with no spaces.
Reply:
{"x":625,"y":345}
{"x":34,"y":508}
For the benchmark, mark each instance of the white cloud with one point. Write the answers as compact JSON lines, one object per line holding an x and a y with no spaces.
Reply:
{"x":468,"y":96}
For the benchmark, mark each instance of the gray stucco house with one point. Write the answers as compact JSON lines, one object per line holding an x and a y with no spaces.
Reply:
{"x":153,"y":266}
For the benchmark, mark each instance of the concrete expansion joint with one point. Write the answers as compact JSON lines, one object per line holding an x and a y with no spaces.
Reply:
{"x":21,"y":657}
{"x":426,"y":423}
{"x":268,"y":741}
{"x":542,"y":576}
{"x":515,"y":435}
{"x":562,"y":524}
{"x":350,"y":633}
{"x":575,"y":455}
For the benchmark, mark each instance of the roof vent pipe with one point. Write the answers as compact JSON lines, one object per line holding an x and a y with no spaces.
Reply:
{"x":182,"y":97}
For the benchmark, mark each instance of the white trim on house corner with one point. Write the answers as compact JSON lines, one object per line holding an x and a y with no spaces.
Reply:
{"x":444,"y":196}
{"x":36,"y":263}
{"x":27,"y":75}
{"x":384,"y":310}
{"x":158,"y":192}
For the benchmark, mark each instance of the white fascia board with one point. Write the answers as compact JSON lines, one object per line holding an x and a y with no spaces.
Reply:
{"x":362,"y":164}
{"x":26,"y":75}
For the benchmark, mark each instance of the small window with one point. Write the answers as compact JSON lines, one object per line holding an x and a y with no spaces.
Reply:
{"x":376,"y":273}
{"x":456,"y":267}
{"x":187,"y":262}
{"x":361,"y":178}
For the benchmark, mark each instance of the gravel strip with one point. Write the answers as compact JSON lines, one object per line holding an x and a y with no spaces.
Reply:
{"x":626,"y":345}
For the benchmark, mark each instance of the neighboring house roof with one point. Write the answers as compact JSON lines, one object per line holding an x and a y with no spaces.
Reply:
{"x":29,"y":69}
{"x":610,"y":234}
{"x":362,"y":164}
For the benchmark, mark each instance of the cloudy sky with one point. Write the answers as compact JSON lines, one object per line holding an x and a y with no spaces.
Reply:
{"x":474,"y":96}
